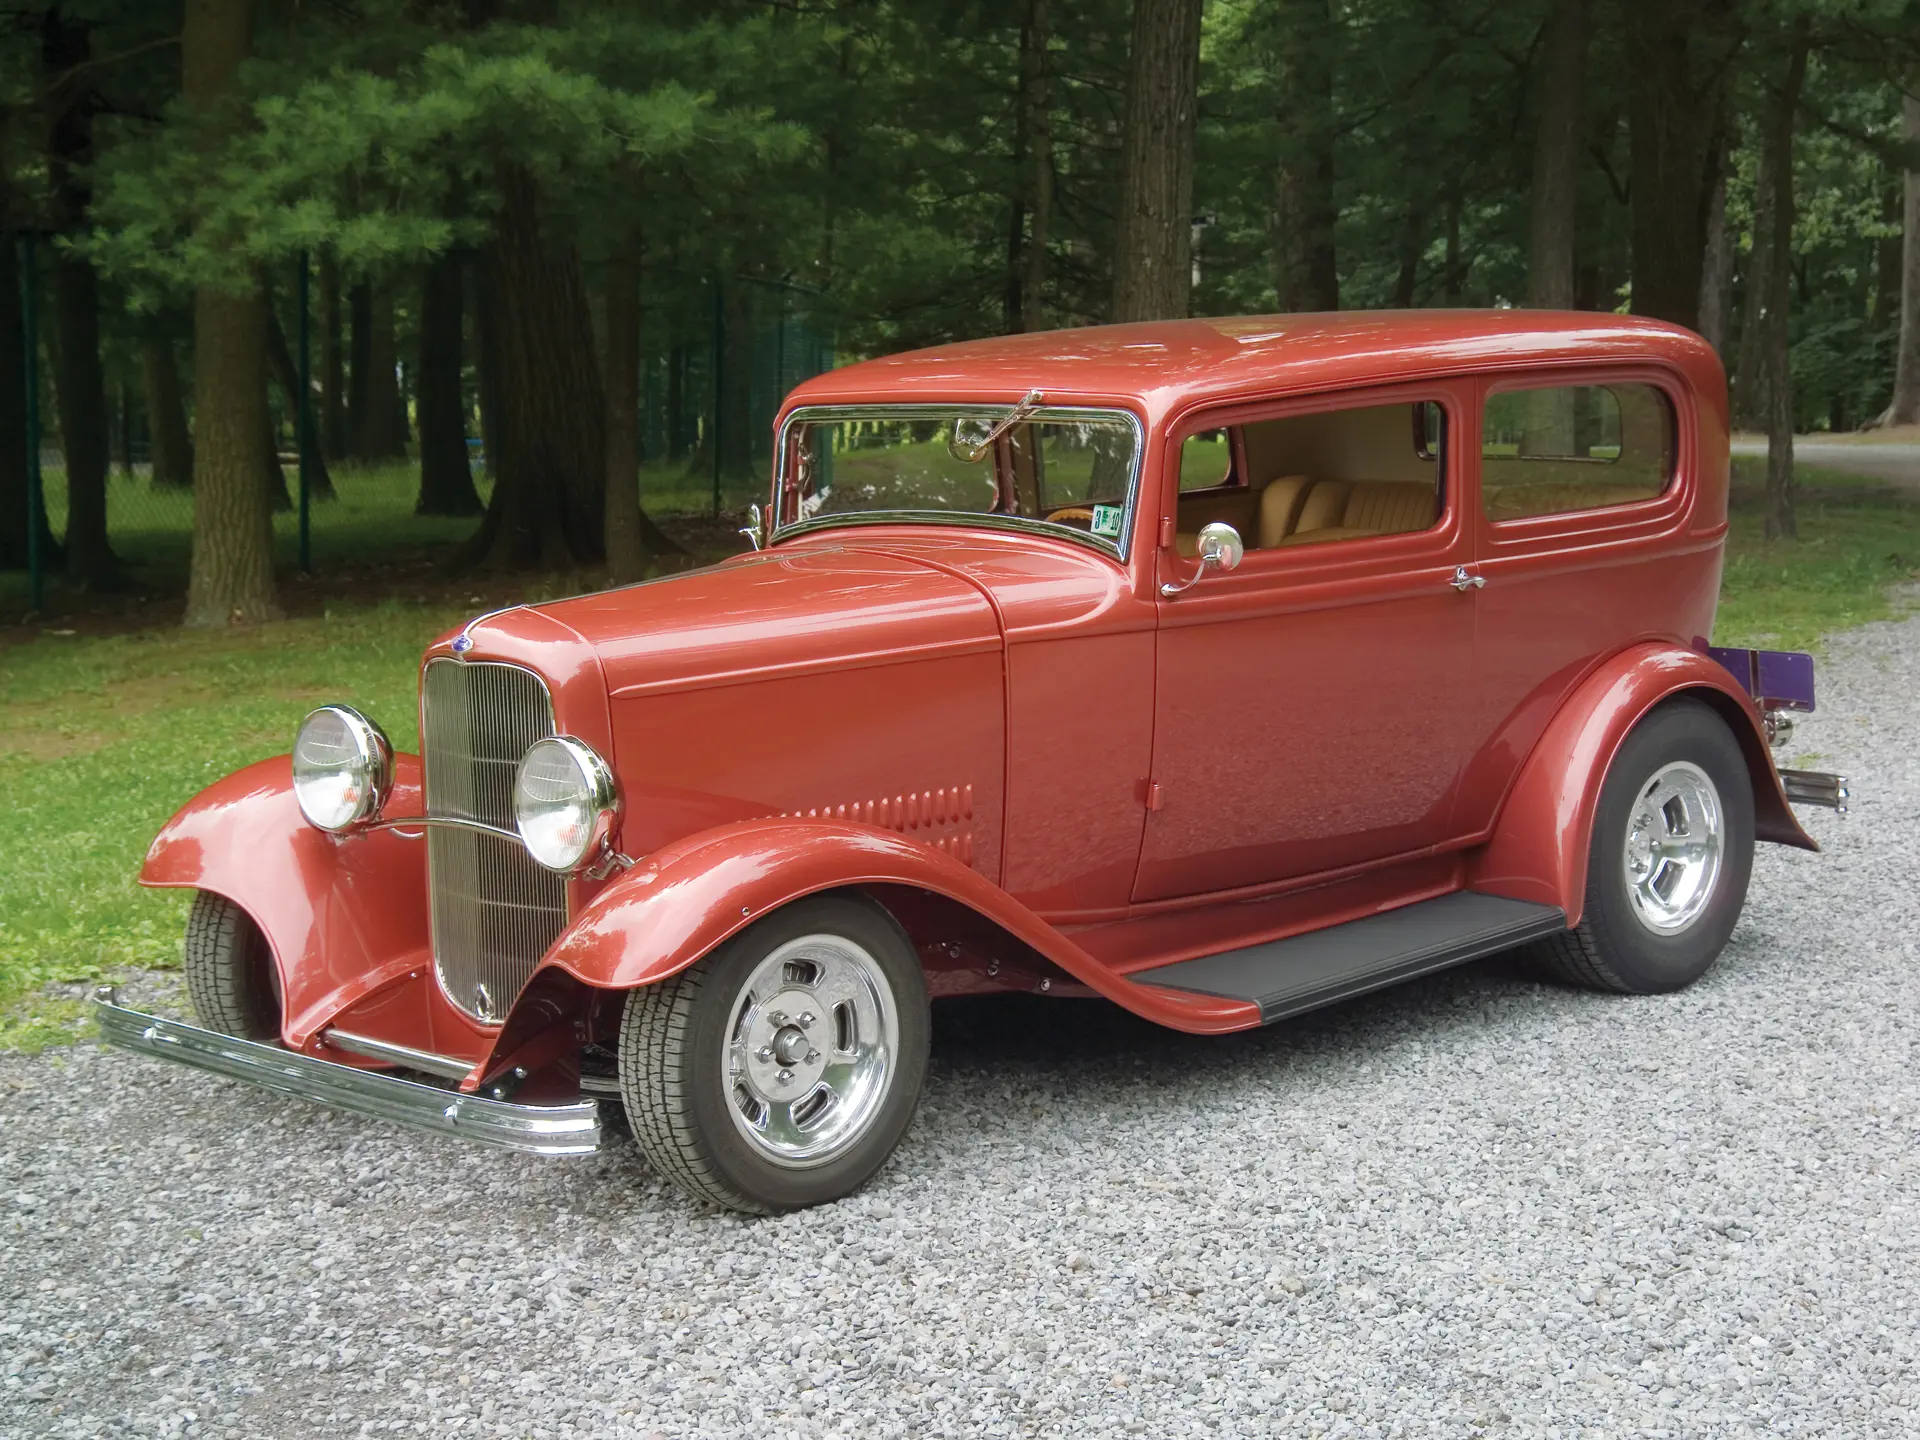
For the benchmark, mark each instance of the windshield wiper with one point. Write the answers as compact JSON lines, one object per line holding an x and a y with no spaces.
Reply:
{"x":968,"y":454}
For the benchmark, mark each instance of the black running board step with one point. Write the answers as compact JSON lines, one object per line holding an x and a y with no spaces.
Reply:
{"x":1304,"y":972}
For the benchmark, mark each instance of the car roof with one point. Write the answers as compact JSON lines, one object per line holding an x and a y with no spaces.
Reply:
{"x":1163,"y":365}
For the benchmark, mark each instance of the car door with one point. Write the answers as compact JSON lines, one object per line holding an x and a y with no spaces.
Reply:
{"x":1588,"y":540}
{"x":1314,"y":707}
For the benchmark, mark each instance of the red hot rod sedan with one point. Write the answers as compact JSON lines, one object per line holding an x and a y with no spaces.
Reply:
{"x":1221,"y":668}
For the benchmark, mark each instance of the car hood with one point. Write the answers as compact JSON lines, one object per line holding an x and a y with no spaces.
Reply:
{"x":781,"y":612}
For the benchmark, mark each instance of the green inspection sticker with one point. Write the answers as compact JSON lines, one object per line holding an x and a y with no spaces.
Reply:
{"x":1106,"y":519}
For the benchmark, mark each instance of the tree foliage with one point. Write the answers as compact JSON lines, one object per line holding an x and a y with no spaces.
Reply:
{"x":952,"y":168}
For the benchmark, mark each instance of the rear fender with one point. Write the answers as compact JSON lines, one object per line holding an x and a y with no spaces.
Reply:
{"x":678,"y":904}
{"x":343,"y":916}
{"x":1540,"y":842}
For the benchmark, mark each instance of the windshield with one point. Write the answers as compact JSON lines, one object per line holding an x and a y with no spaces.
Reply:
{"x":1071,"y":469}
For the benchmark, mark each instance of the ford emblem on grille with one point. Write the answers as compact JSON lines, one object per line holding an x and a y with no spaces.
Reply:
{"x":462,"y":644}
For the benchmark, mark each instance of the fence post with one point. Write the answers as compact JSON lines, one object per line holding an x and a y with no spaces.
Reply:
{"x":719,"y":370}
{"x":30,"y":342}
{"x":303,"y":418}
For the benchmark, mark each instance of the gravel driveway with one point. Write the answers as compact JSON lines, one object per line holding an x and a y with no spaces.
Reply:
{"x":1472,"y":1206}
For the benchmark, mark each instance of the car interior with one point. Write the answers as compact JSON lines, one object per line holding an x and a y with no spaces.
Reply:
{"x":1315,"y":479}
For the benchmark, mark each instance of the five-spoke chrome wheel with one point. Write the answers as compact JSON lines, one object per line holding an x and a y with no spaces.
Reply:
{"x":782,"y":1068}
{"x":1672,"y":847}
{"x":1674,"y":841}
{"x":810,"y":1050}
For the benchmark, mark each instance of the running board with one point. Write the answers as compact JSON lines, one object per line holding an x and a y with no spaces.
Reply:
{"x":1304,"y":972}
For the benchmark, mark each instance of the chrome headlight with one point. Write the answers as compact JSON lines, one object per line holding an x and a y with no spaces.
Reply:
{"x":342,"y":768}
{"x":565,"y":803}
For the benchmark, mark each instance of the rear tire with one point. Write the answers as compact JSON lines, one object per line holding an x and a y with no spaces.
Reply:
{"x":1671,"y":854}
{"x":231,"y":977}
{"x":781,"y":1070}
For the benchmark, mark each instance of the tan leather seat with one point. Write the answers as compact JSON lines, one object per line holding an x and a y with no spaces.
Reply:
{"x":1326,"y":505}
{"x":1358,"y":508}
{"x":1390,"y":507}
{"x":1280,"y":504}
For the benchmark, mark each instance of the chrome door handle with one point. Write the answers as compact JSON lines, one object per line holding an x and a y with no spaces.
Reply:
{"x":1464,"y":582}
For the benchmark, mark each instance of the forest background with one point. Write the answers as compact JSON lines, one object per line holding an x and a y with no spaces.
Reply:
{"x":561,"y":257}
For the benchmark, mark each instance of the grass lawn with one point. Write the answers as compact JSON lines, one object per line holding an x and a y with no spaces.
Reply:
{"x":103,"y":736}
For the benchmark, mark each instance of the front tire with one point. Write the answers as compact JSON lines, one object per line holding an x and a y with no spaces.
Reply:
{"x":1670,"y":858}
{"x":781,"y":1070}
{"x":231,"y":977}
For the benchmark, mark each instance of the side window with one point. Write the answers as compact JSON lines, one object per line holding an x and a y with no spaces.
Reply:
{"x":1206,"y":461}
{"x":1574,"y":447}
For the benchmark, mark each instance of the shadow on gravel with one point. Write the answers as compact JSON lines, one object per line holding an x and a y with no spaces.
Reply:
{"x":1064,"y":1039}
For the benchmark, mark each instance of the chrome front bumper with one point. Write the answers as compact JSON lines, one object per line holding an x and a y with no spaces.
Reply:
{"x":533,"y":1129}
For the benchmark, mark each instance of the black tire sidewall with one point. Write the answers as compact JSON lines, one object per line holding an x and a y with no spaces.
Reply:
{"x":1647,"y":961}
{"x":230,"y":972}
{"x":779,"y":1187}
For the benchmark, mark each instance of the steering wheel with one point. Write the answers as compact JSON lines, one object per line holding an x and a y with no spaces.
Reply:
{"x":1071,"y":512}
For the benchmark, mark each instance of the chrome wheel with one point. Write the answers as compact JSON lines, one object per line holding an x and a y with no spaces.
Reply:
{"x":1676,"y":837}
{"x":811,"y":1050}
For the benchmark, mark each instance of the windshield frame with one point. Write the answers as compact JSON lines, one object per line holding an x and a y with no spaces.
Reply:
{"x":1118,"y":548}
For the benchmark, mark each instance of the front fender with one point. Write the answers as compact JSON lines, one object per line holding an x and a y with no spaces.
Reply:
{"x":1539,"y":847}
{"x":679,"y":903}
{"x":342,"y":916}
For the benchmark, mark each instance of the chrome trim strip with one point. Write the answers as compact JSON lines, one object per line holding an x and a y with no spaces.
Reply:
{"x":367,"y":1047}
{"x":417,"y":822}
{"x":917,"y":410}
{"x":1817,"y":787}
{"x":530,"y":1129}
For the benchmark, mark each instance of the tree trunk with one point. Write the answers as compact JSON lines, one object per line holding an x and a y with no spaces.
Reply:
{"x":359,"y":368}
{"x":230,"y":580}
{"x":1033,"y":276}
{"x":1778,"y":279}
{"x":1716,"y":271}
{"x":677,"y":403}
{"x":1556,"y":158}
{"x":446,"y":477}
{"x":548,"y":501}
{"x":286,"y":374}
{"x":82,"y":394}
{"x":1307,"y":275}
{"x":1749,"y":379}
{"x":13,"y":420}
{"x":279,"y":497}
{"x":65,"y":51}
{"x":626,"y":553}
{"x":1905,"y":409}
{"x":1012,"y":291}
{"x":1677,"y":55}
{"x":169,"y":447}
{"x":1454,"y":278}
{"x":1413,"y":244}
{"x":377,"y":418}
{"x":124,"y":432}
{"x":333,"y":379}
{"x":1153,"y":242}
{"x":486,"y":365}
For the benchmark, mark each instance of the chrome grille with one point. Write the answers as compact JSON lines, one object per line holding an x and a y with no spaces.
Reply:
{"x":495,"y":909}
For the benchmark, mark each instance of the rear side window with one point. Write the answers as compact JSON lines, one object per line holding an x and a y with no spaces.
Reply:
{"x":1206,"y":460}
{"x":1574,"y":447}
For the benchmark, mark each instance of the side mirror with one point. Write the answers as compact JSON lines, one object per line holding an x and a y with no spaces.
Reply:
{"x":1220,"y":549}
{"x":756,"y":532}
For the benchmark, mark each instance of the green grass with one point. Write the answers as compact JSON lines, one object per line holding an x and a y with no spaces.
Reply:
{"x":1857,"y":543}
{"x":102,"y":737}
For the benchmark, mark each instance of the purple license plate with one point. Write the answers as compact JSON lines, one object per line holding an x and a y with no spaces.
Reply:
{"x":1778,"y":679}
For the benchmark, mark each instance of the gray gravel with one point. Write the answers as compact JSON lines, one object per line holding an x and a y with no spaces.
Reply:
{"x":1473,"y":1206}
